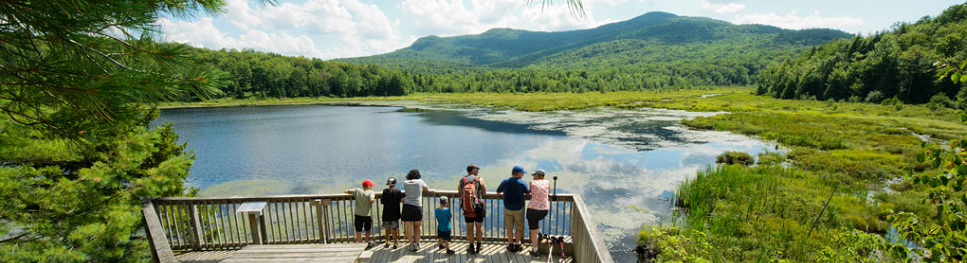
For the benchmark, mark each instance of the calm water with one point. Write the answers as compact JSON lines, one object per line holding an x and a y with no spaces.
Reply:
{"x":625,"y":164}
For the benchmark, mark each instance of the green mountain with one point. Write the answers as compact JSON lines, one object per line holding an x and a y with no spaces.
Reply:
{"x":654,"y":37}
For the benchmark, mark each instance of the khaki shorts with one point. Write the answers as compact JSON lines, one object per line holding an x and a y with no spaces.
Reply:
{"x":514,"y":219}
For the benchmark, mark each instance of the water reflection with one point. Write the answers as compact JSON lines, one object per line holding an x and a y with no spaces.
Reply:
{"x":625,"y":164}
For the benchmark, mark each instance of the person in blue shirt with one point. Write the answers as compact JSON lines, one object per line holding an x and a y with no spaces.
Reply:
{"x":443,"y":216}
{"x":513,"y":189}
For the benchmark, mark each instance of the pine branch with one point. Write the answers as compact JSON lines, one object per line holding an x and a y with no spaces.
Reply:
{"x":21,"y":235}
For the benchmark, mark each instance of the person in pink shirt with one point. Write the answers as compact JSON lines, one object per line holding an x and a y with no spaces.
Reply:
{"x":537,"y":208}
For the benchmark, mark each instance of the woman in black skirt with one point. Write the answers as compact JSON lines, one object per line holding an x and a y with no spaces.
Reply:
{"x":413,"y":207}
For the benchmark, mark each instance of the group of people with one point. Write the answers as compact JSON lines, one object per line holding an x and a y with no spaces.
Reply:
{"x":471,"y":189}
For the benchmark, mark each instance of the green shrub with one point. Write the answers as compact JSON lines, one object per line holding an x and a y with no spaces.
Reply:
{"x":672,"y":245}
{"x":771,"y":158}
{"x":740,"y":158}
{"x":940,"y":102}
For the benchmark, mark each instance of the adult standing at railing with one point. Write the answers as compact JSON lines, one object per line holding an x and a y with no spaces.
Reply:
{"x":413,"y":188}
{"x":472,"y":204}
{"x":538,"y":207}
{"x":514,"y":189}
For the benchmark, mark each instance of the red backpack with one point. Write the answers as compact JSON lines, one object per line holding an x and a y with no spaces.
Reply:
{"x":470,"y":201}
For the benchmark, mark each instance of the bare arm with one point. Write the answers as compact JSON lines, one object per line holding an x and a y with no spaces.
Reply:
{"x":483,"y":187}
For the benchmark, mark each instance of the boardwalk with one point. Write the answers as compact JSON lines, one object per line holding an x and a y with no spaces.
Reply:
{"x":428,"y":253}
{"x":191,"y":229}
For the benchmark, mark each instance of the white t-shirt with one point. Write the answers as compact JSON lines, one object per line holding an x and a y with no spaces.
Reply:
{"x":414,"y":192}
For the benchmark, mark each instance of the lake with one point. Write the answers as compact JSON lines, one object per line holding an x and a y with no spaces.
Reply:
{"x":626,"y":164}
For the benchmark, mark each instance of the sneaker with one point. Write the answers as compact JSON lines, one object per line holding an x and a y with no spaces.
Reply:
{"x":368,"y":246}
{"x":394,"y":245}
{"x":386,"y":245}
{"x":450,"y":252}
{"x":534,"y":252}
{"x":479,"y":246}
{"x":441,"y":246}
{"x":414,"y":247}
{"x":470,"y":250}
{"x":511,"y":247}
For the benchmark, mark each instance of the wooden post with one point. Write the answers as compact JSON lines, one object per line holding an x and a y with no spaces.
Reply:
{"x":160,"y":249}
{"x":254,"y":228}
{"x":326,"y":203}
{"x":196,"y":234}
{"x":322,"y":229}
{"x":265,"y":236}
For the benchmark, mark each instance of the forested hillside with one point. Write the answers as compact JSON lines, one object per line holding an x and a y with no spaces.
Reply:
{"x":899,"y":63}
{"x":653,"y":51}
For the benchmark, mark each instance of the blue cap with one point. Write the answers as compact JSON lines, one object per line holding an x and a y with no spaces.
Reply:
{"x":518,"y":169}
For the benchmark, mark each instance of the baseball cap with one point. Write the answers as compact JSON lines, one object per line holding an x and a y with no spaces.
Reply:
{"x":518,"y":169}
{"x":443,"y":199}
{"x":391,"y":181}
{"x":539,"y":171}
{"x":472,"y":166}
{"x":368,"y":183}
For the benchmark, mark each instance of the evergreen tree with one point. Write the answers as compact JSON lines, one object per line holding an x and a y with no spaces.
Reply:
{"x":77,"y":153}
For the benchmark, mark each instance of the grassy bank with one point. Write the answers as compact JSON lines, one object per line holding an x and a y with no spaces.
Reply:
{"x":518,"y":101}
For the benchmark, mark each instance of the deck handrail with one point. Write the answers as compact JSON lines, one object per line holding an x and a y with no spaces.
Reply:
{"x":211,"y":223}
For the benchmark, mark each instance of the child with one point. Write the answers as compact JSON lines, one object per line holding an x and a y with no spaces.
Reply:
{"x":364,"y":203}
{"x":391,"y":199}
{"x":443,"y":216}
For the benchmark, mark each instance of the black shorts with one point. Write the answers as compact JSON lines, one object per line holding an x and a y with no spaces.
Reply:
{"x":412,"y":213}
{"x":445,"y":235}
{"x":363,"y":223}
{"x":534,"y":218}
{"x":477,"y":219}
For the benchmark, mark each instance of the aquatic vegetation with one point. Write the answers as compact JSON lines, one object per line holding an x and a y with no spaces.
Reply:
{"x":739,"y":158}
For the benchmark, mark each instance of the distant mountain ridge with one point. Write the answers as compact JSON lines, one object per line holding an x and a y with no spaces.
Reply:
{"x":504,"y":47}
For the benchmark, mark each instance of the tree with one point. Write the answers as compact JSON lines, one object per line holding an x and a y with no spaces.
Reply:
{"x":77,"y":153}
{"x":942,"y":238}
{"x":71,"y":66}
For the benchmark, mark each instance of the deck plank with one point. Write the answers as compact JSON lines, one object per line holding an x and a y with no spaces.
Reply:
{"x":428,"y":253}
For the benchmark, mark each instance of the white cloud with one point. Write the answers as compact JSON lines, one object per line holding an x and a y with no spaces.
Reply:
{"x":455,"y":17}
{"x":725,"y":8}
{"x":282,"y":43}
{"x":559,"y":18}
{"x":201,"y":33}
{"x":241,"y":15}
{"x":348,"y":27}
{"x":792,"y":20}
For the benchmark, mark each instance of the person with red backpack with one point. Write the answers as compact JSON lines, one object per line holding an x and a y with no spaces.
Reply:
{"x":472,"y":189}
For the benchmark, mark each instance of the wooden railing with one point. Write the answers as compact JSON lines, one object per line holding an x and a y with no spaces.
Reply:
{"x":213,"y":223}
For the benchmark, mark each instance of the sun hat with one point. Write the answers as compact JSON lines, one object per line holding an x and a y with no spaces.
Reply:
{"x":472,"y":166}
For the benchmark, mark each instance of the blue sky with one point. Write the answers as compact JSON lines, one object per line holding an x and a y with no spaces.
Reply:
{"x":348,"y":28}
